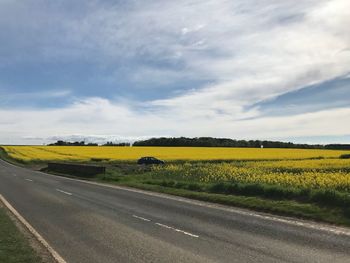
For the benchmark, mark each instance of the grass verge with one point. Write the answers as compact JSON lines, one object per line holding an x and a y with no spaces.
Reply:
{"x":310,"y":211}
{"x":325,"y":206}
{"x":14,"y":247}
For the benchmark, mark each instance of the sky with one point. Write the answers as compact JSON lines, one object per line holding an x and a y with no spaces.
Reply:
{"x":127,"y":70}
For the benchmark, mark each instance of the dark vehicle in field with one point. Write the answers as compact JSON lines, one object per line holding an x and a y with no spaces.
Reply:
{"x":149,"y":160}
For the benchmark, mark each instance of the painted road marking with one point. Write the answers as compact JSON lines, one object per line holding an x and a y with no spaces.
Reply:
{"x":30,"y":180}
{"x":286,"y":220}
{"x":51,"y":250}
{"x":15,"y":175}
{"x":141,"y":218}
{"x":162,"y":225}
{"x":67,"y":193}
{"x":177,"y":230}
{"x":186,"y":233}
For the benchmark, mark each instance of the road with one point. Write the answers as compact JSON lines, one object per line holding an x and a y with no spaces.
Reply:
{"x":86,"y":223}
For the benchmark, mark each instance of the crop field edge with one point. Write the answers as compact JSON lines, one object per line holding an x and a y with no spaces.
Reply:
{"x":309,"y":211}
{"x":289,"y":208}
{"x":174,"y":154}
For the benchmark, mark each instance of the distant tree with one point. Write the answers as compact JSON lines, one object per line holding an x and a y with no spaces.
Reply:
{"x":64,"y":143}
{"x":92,"y":144}
{"x":338,"y":146}
{"x":117,"y":144}
{"x":220,"y":142}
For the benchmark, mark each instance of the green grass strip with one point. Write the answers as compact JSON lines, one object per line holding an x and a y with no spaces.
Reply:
{"x":283,"y":207}
{"x":14,"y":247}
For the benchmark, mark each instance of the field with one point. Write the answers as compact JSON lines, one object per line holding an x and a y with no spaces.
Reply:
{"x":308,"y":183}
{"x":85,"y":153}
{"x":311,"y":174}
{"x":282,"y":167}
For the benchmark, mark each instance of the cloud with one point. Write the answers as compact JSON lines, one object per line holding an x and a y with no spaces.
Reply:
{"x":100,"y":118}
{"x":326,"y":95}
{"x":214,"y":60}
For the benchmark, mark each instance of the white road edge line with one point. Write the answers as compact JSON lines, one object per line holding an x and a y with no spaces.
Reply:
{"x":177,"y":230}
{"x":67,"y":193}
{"x":50,"y":249}
{"x":290,"y":221}
{"x":30,"y":180}
{"x":15,"y":175}
{"x":286,"y":220}
{"x":141,"y":218}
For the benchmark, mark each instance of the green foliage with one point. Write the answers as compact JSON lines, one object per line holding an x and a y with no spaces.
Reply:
{"x":64,"y":143}
{"x":96,"y":160}
{"x":321,"y":197}
{"x":220,"y":142}
{"x":126,"y":144}
{"x":337,"y":146}
{"x":282,"y":207}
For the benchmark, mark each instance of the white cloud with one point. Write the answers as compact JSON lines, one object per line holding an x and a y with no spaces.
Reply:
{"x":249,"y":50}
{"x":101,"y":119}
{"x":252,"y":50}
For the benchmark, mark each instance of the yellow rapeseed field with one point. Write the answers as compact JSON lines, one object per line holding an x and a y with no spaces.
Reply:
{"x":285,"y":167}
{"x":85,"y":153}
{"x":313,"y":174}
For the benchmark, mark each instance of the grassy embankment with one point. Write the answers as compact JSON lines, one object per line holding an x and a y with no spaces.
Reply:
{"x":312,"y":200}
{"x":323,"y":205}
{"x":14,"y":247}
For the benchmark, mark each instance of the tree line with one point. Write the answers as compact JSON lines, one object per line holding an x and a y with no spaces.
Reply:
{"x":82,"y":143}
{"x":209,"y":142}
{"x":64,"y":143}
{"x":225,"y":142}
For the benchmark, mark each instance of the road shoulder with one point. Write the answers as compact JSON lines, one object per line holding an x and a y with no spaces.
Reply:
{"x":17,"y":243}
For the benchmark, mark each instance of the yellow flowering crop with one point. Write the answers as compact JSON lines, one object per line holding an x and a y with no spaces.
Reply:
{"x":85,"y":153}
{"x":315,"y":174}
{"x":285,"y":167}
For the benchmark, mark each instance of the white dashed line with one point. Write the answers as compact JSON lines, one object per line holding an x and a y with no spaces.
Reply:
{"x":14,"y":175}
{"x":162,"y":225}
{"x":240,"y":211}
{"x":29,"y":180}
{"x":177,"y":230}
{"x":67,"y":193}
{"x":186,"y":233}
{"x":141,"y":218}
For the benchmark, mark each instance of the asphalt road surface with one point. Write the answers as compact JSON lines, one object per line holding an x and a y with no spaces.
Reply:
{"x":86,"y":223}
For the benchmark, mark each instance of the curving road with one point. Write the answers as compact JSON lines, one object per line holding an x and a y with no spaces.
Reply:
{"x":86,"y":222}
